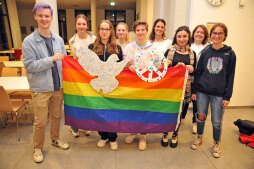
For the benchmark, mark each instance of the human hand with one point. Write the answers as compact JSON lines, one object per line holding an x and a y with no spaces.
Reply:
{"x":180,"y":64}
{"x":225,"y":103}
{"x":190,"y":68}
{"x":57,"y":56}
{"x":132,"y":68}
{"x":194,"y":97}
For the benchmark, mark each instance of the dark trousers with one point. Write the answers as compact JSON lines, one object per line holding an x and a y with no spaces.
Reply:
{"x":108,"y":135}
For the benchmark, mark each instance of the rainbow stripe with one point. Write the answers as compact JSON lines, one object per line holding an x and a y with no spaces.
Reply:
{"x":135,"y":106}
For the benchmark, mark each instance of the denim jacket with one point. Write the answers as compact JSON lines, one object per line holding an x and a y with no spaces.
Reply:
{"x":38,"y":63}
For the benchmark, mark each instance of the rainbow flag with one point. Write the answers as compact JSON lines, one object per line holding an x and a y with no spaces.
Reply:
{"x":135,"y":106}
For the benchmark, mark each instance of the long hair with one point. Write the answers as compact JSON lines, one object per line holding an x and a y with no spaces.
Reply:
{"x":127,"y":38}
{"x":183,"y":28}
{"x":83,"y":17}
{"x":111,"y":45}
{"x":152,"y":34}
{"x":205,"y":33}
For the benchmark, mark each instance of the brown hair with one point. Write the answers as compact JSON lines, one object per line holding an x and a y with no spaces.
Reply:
{"x":223,"y":26}
{"x":139,"y":22}
{"x":83,"y":17}
{"x":127,"y":38}
{"x":111,"y":45}
{"x":205,"y":32}
{"x":152,"y":34}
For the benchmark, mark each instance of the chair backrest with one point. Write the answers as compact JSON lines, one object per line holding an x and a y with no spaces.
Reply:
{"x":9,"y":72}
{"x":6,"y":105}
{"x":17,"y":53}
{"x":4,"y":58}
{"x":23,"y":71}
{"x":1,"y":67}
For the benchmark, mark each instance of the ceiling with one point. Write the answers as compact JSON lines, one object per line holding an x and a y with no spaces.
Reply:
{"x":83,"y":4}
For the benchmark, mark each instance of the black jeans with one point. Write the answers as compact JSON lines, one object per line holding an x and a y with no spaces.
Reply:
{"x":108,"y":135}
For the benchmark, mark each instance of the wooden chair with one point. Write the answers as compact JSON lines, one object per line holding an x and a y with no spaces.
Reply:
{"x":1,"y":68}
{"x":17,"y":53}
{"x":9,"y":72}
{"x":4,"y":58}
{"x":11,"y":106}
{"x":21,"y":94}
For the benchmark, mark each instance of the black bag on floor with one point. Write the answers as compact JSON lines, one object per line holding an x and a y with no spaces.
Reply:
{"x":245,"y":126}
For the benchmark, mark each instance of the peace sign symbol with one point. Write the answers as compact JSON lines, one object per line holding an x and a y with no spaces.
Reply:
{"x":151,"y":68}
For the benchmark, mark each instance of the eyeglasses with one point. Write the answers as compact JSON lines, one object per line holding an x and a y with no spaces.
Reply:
{"x":218,"y":33}
{"x":106,"y":30}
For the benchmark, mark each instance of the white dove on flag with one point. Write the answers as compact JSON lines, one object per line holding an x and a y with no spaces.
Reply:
{"x":106,"y":71}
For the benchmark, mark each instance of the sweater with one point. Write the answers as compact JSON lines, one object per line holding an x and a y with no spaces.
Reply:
{"x":106,"y":55}
{"x":215,"y":72}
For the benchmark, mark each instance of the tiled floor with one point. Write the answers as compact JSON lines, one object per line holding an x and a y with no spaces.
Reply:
{"x":84,"y":154}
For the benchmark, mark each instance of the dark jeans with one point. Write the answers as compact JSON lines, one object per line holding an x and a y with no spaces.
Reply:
{"x":74,"y":129}
{"x":108,"y":135}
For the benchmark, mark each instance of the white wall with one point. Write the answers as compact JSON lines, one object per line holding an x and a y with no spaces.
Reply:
{"x":240,"y":23}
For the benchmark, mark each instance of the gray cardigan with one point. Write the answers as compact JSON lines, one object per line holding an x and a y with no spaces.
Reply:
{"x":37,"y":62}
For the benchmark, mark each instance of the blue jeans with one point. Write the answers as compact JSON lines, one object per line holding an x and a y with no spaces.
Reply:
{"x":217,"y":111}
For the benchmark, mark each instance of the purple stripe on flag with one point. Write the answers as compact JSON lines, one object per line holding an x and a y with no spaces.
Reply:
{"x":122,"y":127}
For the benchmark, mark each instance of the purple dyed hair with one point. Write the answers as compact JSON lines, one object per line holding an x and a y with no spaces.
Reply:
{"x":42,"y":5}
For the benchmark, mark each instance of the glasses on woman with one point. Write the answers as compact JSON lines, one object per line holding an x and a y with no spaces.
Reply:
{"x":218,"y":33}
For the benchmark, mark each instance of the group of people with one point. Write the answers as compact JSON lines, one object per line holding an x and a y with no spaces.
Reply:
{"x":211,"y":68}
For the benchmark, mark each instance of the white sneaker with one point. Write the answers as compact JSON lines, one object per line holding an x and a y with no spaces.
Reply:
{"x":194,"y":128}
{"x":101,"y":143}
{"x":38,"y":156}
{"x":113,"y":145}
{"x":142,"y":142}
{"x":216,"y":150}
{"x":74,"y":134}
{"x":61,"y":145}
{"x":129,"y":139}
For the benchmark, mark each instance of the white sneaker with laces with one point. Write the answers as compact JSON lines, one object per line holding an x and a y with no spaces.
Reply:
{"x":129,"y":139}
{"x":38,"y":156}
{"x":114,"y":145}
{"x":61,"y":145}
{"x":216,"y":150}
{"x":101,"y":143}
{"x":194,"y":128}
{"x":195,"y":145}
{"x":142,"y":142}
{"x":74,"y":134}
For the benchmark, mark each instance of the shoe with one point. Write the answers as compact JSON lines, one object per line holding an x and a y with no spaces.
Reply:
{"x":216,"y":150}
{"x":101,"y":143}
{"x":38,"y":156}
{"x":195,"y":145}
{"x":129,"y":139}
{"x":194,"y":128}
{"x":75,"y":134}
{"x":174,"y":141}
{"x":164,"y":140}
{"x":142,"y":142}
{"x":87,"y":132}
{"x":182,"y":121}
{"x":113,"y":145}
{"x":61,"y":145}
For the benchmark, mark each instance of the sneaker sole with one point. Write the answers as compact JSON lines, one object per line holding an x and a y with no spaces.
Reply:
{"x":164,"y":144}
